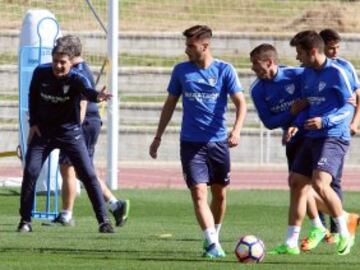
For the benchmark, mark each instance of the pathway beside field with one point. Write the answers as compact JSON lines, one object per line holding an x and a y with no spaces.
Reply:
{"x":170,"y":177}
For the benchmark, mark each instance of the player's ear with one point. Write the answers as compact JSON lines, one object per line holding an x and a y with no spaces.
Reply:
{"x":205,"y":46}
{"x":269,"y":62}
{"x":314,"y":51}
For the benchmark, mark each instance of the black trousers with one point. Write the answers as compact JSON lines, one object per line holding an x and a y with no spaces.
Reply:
{"x":72,"y":143}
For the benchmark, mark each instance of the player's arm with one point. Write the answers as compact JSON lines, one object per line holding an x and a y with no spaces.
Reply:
{"x":356,"y":85}
{"x":240,"y":107}
{"x":84,"y":85}
{"x":345,"y":93}
{"x":34,"y":98}
{"x":270,"y":120}
{"x":166,"y":114}
{"x":83,"y":106}
{"x":356,"y":118}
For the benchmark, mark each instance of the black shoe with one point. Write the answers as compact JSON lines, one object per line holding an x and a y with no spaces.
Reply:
{"x":121,"y":213}
{"x":24,"y":227}
{"x":62,"y":221}
{"x":106,"y":227}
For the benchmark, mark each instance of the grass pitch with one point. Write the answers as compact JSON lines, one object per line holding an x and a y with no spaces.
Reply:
{"x":160,"y":234}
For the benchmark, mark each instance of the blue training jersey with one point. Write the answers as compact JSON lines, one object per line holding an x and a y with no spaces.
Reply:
{"x":204,"y":98}
{"x":350,"y":71}
{"x":92,"y":109}
{"x":328,"y":91}
{"x":55,"y":102}
{"x":273,"y":97}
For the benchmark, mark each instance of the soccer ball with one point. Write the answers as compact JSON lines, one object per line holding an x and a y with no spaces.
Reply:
{"x":250,"y":249}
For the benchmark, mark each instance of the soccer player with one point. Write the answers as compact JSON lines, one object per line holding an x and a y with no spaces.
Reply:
{"x":91,"y":125}
{"x":327,"y":88}
{"x":54,"y":118}
{"x":276,"y":94}
{"x":204,"y":84}
{"x":332,"y":46}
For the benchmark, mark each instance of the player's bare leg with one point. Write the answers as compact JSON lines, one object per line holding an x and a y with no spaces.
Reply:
{"x":317,"y":231}
{"x":321,"y":183}
{"x":205,"y":218}
{"x":202,"y":210}
{"x":68,"y":187}
{"x":299,"y":186}
{"x":218,"y":205}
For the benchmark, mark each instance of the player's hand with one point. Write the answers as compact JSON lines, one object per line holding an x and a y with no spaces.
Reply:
{"x":352,"y":100}
{"x":313,"y":123}
{"x":298,"y":106}
{"x":234,"y":138}
{"x":354,"y":129}
{"x":154,"y":147}
{"x":33,"y":130}
{"x":288,"y":134}
{"x":104,"y":95}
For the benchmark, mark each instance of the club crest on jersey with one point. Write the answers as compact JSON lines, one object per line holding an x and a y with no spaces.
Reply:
{"x":290,"y":88}
{"x":66,"y":89}
{"x":212,"y":81}
{"x":322,"y":85}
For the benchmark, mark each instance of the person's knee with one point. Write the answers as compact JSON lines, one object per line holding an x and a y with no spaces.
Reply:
{"x":32,"y":170}
{"x":296,"y":182}
{"x":199,"y":194}
{"x":218,"y":193}
{"x":320,"y":187}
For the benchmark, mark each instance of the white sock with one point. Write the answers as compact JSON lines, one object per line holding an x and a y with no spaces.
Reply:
{"x":316,"y":222}
{"x":113,"y":204}
{"x":66,"y":214}
{"x":211,"y":236}
{"x":341,"y":221}
{"x":292,"y":236}
{"x":218,"y":228}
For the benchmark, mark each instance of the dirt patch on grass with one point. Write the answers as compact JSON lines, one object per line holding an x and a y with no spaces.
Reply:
{"x":342,"y":18}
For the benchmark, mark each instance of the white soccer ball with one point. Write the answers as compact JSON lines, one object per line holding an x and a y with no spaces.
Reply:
{"x":250,"y":249}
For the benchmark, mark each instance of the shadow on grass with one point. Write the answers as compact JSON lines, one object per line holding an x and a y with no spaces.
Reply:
{"x":9,"y":192}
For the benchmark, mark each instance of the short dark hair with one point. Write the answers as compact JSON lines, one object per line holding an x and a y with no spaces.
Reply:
{"x":308,"y":40}
{"x":198,"y":31}
{"x":329,"y":35}
{"x":63,"y":49}
{"x":265,"y":51}
{"x":72,"y":41}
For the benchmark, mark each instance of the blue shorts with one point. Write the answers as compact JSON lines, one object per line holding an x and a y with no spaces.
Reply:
{"x":91,"y":130}
{"x":324,"y":154}
{"x":205,"y":162}
{"x":292,"y":149}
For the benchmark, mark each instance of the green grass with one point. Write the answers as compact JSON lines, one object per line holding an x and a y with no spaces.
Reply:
{"x":138,"y":245}
{"x":225,"y":15}
{"x":129,"y":60}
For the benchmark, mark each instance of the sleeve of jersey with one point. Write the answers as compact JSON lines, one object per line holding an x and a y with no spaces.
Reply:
{"x":355,"y":83}
{"x":34,"y":97}
{"x":86,"y":88}
{"x":337,"y":117}
{"x":345,"y":92}
{"x":356,"y":80}
{"x":233,"y":83}
{"x":174,"y":87}
{"x":300,"y":119}
{"x":270,"y":120}
{"x":343,"y":85}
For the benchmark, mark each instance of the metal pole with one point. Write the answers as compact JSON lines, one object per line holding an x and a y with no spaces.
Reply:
{"x":267,"y":161}
{"x":261,"y":144}
{"x":113,"y":105}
